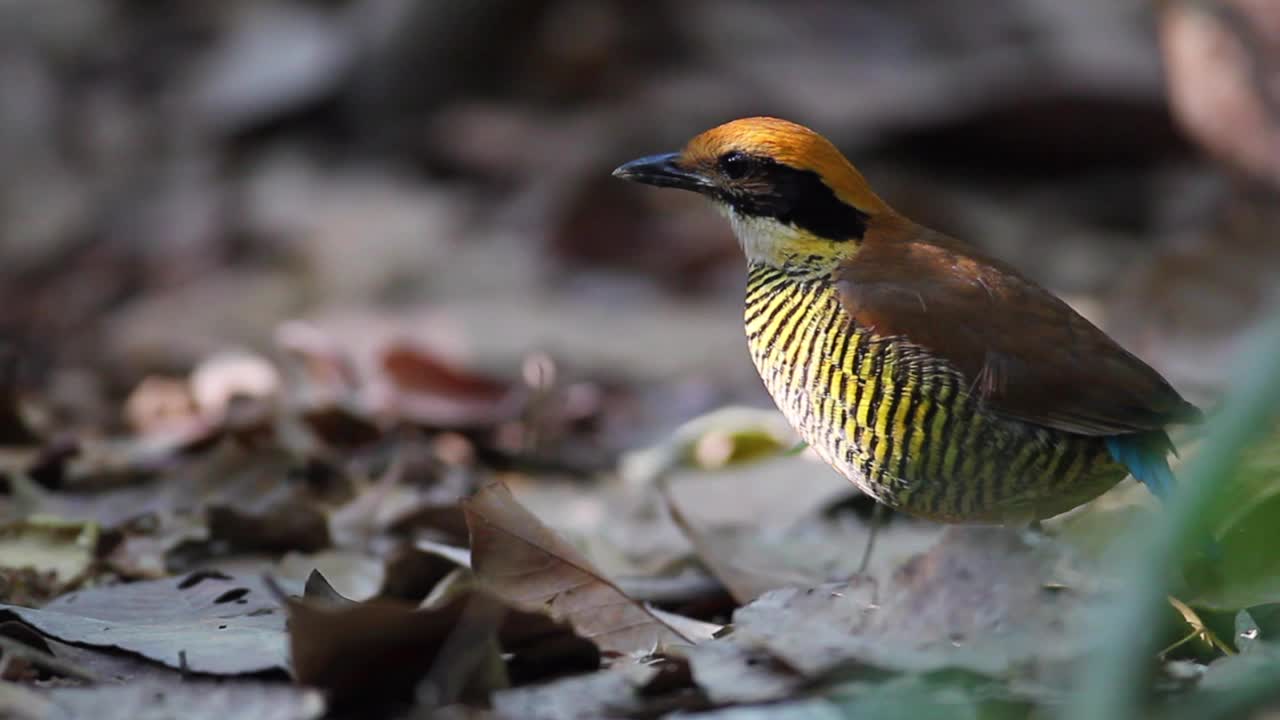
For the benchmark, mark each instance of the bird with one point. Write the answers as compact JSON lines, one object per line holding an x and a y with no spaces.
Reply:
{"x":939,"y":380}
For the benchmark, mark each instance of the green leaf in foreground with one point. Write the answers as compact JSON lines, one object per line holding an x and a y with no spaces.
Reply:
{"x":1113,"y":685}
{"x":1244,"y":568}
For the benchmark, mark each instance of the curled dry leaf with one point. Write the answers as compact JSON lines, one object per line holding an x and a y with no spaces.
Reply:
{"x":528,"y":564}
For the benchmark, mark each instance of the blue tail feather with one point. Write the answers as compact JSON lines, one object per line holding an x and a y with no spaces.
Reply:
{"x":1146,"y":456}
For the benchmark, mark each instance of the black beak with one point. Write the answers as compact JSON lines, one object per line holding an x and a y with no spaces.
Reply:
{"x":663,"y":171}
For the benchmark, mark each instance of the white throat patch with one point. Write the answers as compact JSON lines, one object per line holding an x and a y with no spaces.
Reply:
{"x":761,"y":238}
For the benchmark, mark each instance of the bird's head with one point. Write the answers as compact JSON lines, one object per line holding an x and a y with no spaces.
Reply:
{"x":794,"y":201}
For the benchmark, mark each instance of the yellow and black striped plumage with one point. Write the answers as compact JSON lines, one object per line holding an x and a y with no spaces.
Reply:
{"x":938,"y":380}
{"x":903,"y":425}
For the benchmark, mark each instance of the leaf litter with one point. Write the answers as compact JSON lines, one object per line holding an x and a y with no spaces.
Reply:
{"x":390,"y":566}
{"x":321,"y":533}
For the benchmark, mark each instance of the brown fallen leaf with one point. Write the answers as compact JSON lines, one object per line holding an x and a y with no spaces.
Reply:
{"x":525,"y":562}
{"x":431,"y":392}
{"x":411,"y":573}
{"x":368,"y":648}
{"x":283,"y":527}
{"x":447,"y":652}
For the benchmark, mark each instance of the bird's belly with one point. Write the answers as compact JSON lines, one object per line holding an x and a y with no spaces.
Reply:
{"x":904,"y":428}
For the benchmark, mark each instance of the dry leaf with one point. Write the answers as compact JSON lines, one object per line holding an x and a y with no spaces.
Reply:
{"x":187,"y":698}
{"x":525,"y":562}
{"x":206,"y":622}
{"x":161,"y":404}
{"x":63,"y":549}
{"x":724,"y":558}
{"x":356,"y":575}
{"x":982,"y":599}
{"x":1223,"y":61}
{"x":285,"y":526}
{"x":431,"y":392}
{"x":372,"y":647}
{"x":380,"y":646}
{"x":222,"y":379}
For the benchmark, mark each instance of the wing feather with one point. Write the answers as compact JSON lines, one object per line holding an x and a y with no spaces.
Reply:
{"x":1026,"y":353}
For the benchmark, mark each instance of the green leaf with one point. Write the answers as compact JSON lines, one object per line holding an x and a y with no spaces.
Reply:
{"x":1244,"y":567}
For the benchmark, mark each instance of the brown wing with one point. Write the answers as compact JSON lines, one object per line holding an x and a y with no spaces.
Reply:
{"x":1027,"y":353}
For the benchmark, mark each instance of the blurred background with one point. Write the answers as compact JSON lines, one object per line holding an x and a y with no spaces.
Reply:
{"x":329,"y":178}
{"x":283,"y":281}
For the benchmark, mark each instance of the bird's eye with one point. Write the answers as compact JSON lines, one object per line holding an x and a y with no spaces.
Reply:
{"x":735,"y":165}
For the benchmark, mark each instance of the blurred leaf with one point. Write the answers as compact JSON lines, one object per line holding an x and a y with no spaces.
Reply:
{"x":432,"y":392}
{"x":1199,"y":630}
{"x":743,"y":575}
{"x":982,"y":599}
{"x":1231,"y":687}
{"x":377,"y":647}
{"x":456,"y":555}
{"x":733,"y":672}
{"x":63,"y":549}
{"x":1221,"y":59}
{"x":808,"y":709}
{"x":616,"y":693}
{"x":206,"y":622}
{"x":1247,"y":633}
{"x":1244,"y":568}
{"x":287,"y":525}
{"x":696,"y":630}
{"x":1257,"y":627}
{"x":227,"y":377}
{"x":353,"y":574}
{"x":724,"y":436}
{"x":951,"y":695}
{"x":190,"y":699}
{"x":525,"y":562}
{"x":1094,"y":529}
